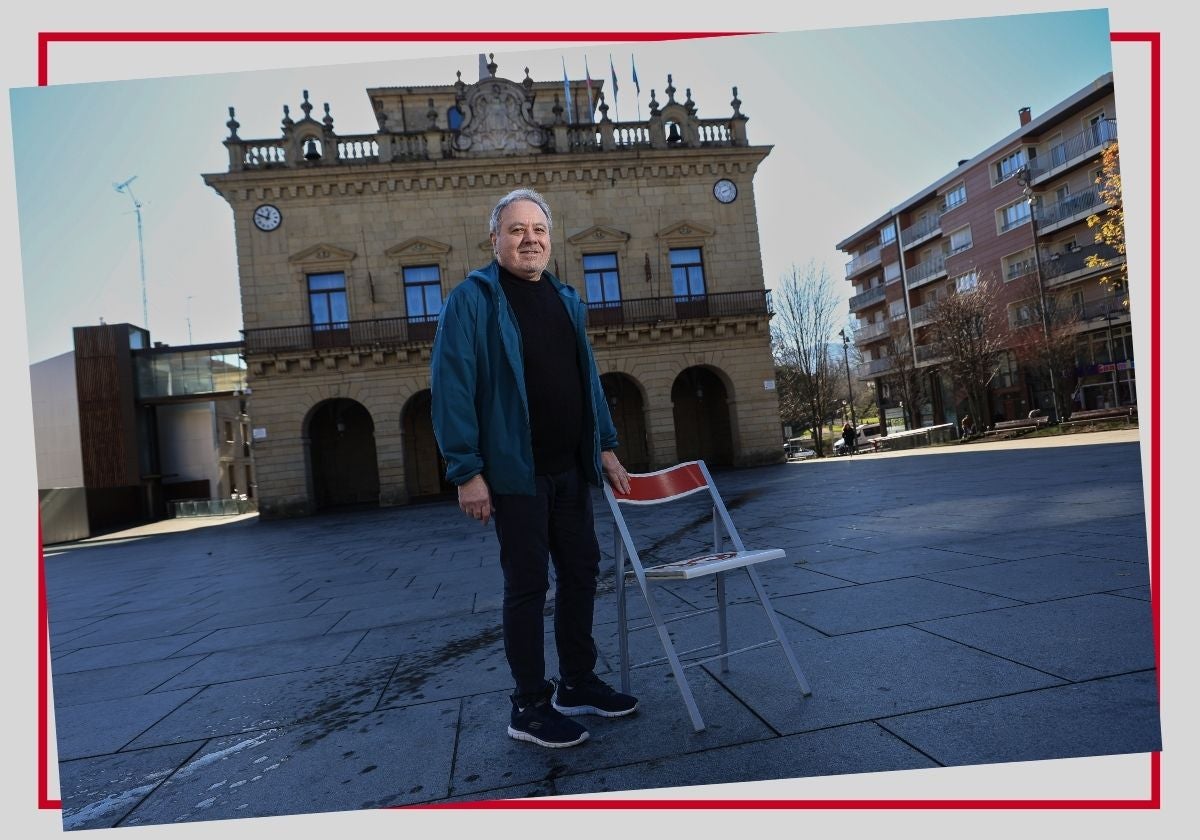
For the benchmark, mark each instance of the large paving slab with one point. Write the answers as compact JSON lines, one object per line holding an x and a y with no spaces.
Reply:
{"x":106,"y":726}
{"x":309,"y":769}
{"x":1101,"y":717}
{"x":885,"y":604}
{"x":265,"y":659}
{"x":99,"y":792}
{"x":1046,"y":578}
{"x":1073,"y":638}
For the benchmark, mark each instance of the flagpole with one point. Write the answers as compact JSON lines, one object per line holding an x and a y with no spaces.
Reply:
{"x":616,"y":100}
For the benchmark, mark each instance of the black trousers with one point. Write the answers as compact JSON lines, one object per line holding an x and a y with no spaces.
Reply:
{"x":554,"y":525}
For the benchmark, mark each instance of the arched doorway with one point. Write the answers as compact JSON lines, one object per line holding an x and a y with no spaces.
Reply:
{"x":629,"y":416}
{"x":424,"y":468}
{"x":700,"y":404}
{"x":341,"y":445}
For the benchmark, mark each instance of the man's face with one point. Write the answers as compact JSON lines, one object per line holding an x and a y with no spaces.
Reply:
{"x":522,"y":244}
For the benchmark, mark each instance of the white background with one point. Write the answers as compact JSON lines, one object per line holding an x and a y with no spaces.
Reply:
{"x":1106,"y":777}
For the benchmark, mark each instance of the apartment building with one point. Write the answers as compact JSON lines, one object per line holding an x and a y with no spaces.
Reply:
{"x":349,"y":243}
{"x":1016,"y":213}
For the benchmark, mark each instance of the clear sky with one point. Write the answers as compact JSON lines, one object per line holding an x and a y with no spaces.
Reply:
{"x":860,"y":119}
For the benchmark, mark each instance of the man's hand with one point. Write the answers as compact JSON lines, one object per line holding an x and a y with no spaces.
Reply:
{"x":475,"y":500}
{"x":614,"y":472}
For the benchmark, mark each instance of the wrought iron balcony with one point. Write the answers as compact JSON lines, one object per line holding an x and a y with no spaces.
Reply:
{"x":382,"y":333}
{"x":926,"y":271}
{"x":1074,"y":147}
{"x":863,"y":261}
{"x":868,"y":298}
{"x":921,"y":231}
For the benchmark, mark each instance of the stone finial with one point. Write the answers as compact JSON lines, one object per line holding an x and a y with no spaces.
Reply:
{"x":670,"y":90}
{"x":232,"y":125}
{"x":689,"y":104}
{"x":287,"y":121}
{"x":432,"y":114}
{"x":306,"y":107}
{"x":528,"y":83}
{"x":459,"y":84}
{"x":328,"y":120}
{"x":654,"y":111}
{"x":557,"y":110}
{"x":736,"y":103}
{"x":491,"y":66}
{"x":603,"y":108}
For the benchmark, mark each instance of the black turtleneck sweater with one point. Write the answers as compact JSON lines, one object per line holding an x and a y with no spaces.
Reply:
{"x":553,"y":381}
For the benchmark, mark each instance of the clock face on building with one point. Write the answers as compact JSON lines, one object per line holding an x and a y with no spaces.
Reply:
{"x":267,"y":217}
{"x":725,"y":190}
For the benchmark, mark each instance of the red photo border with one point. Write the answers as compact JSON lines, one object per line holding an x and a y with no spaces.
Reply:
{"x":1153,"y":39}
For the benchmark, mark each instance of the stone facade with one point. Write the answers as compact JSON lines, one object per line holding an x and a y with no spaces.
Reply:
{"x":371,"y":212}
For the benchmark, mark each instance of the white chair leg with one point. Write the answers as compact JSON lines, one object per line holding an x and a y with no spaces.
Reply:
{"x":788,"y":653}
{"x":722,"y":622}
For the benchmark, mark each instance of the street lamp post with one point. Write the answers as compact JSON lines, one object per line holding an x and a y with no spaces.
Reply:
{"x":849,"y":389}
{"x":1025,"y":179}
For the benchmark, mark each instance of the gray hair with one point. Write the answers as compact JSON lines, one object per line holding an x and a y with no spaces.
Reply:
{"x":523,"y":194}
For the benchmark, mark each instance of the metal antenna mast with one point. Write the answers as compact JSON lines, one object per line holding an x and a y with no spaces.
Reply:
{"x":124,"y":187}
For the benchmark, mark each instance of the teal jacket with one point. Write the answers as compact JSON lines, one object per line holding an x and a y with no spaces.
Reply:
{"x":480,"y":407}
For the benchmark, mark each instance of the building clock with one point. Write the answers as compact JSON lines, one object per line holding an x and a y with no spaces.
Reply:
{"x":267,"y":217}
{"x":725,"y":191}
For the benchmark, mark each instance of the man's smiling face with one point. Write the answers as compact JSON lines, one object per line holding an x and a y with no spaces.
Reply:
{"x":522,"y":243}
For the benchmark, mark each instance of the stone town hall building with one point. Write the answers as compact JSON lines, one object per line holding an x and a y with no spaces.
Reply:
{"x":347,"y":245}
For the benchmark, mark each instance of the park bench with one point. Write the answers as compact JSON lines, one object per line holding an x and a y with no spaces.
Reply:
{"x":1126,"y":413}
{"x":1012,"y":428}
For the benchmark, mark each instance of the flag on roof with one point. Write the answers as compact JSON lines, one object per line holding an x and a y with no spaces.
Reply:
{"x":635,"y":79}
{"x":567,"y":94}
{"x":588,"y":75}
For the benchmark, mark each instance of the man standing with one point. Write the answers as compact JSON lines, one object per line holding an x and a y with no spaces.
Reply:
{"x":523,"y":424}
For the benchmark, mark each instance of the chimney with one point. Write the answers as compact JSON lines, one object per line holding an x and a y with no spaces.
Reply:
{"x":1024,"y":115}
{"x":961,"y":162}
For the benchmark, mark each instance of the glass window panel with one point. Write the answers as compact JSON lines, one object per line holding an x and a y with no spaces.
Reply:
{"x":685,"y":256}
{"x":320,"y":309}
{"x":594,"y":293}
{"x":321,"y":282}
{"x":612,"y":291}
{"x":338,"y":308}
{"x":679,"y":281}
{"x":596,"y":262}
{"x":433,"y":300}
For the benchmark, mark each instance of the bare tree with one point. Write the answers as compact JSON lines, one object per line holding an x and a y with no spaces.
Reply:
{"x":970,"y":334}
{"x":1044,"y":326}
{"x":806,"y":305}
{"x":903,"y":378}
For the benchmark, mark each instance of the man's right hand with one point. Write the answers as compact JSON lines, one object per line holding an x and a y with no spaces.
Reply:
{"x":475,"y":500}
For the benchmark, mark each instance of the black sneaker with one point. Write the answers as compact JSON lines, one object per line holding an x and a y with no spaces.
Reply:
{"x":593,"y":696}
{"x":537,"y":721}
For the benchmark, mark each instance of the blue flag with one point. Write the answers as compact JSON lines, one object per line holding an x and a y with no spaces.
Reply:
{"x":635,"y":80}
{"x":613,"y":71}
{"x":588,"y":75}
{"x":567,"y":93}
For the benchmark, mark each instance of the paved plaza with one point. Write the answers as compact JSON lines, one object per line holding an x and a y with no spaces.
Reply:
{"x":961,"y":605}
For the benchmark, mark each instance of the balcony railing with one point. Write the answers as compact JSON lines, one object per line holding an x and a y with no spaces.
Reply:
{"x":1076,"y":146}
{"x":927,"y":226}
{"x":1110,"y":306}
{"x":656,"y":310}
{"x":373,"y":334}
{"x":863,"y":261}
{"x":867,"y":298}
{"x":397,"y":332}
{"x":928,"y":352}
{"x":870,"y":331}
{"x":874,"y":367}
{"x":1059,"y":267}
{"x":1069,"y":207}
{"x":923,"y":313}
{"x":927,"y":270}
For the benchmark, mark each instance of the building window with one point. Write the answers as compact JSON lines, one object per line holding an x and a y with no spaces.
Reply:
{"x":896,"y":309}
{"x":891,"y":272}
{"x":960,"y":240}
{"x":1021,"y":314}
{"x":1010,"y":164}
{"x":1006,"y":370}
{"x":966,"y":282}
{"x":232,"y":479}
{"x":601,"y":280}
{"x":327,"y":301}
{"x":956,"y":196}
{"x":1019,"y":264}
{"x":249,"y":482}
{"x":228,"y":431}
{"x":423,"y":292}
{"x":687,"y":272}
{"x":888,"y":234}
{"x":245,"y":440}
{"x":1013,"y":215}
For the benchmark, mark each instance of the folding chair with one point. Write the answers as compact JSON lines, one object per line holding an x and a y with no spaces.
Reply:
{"x":665,"y":486}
